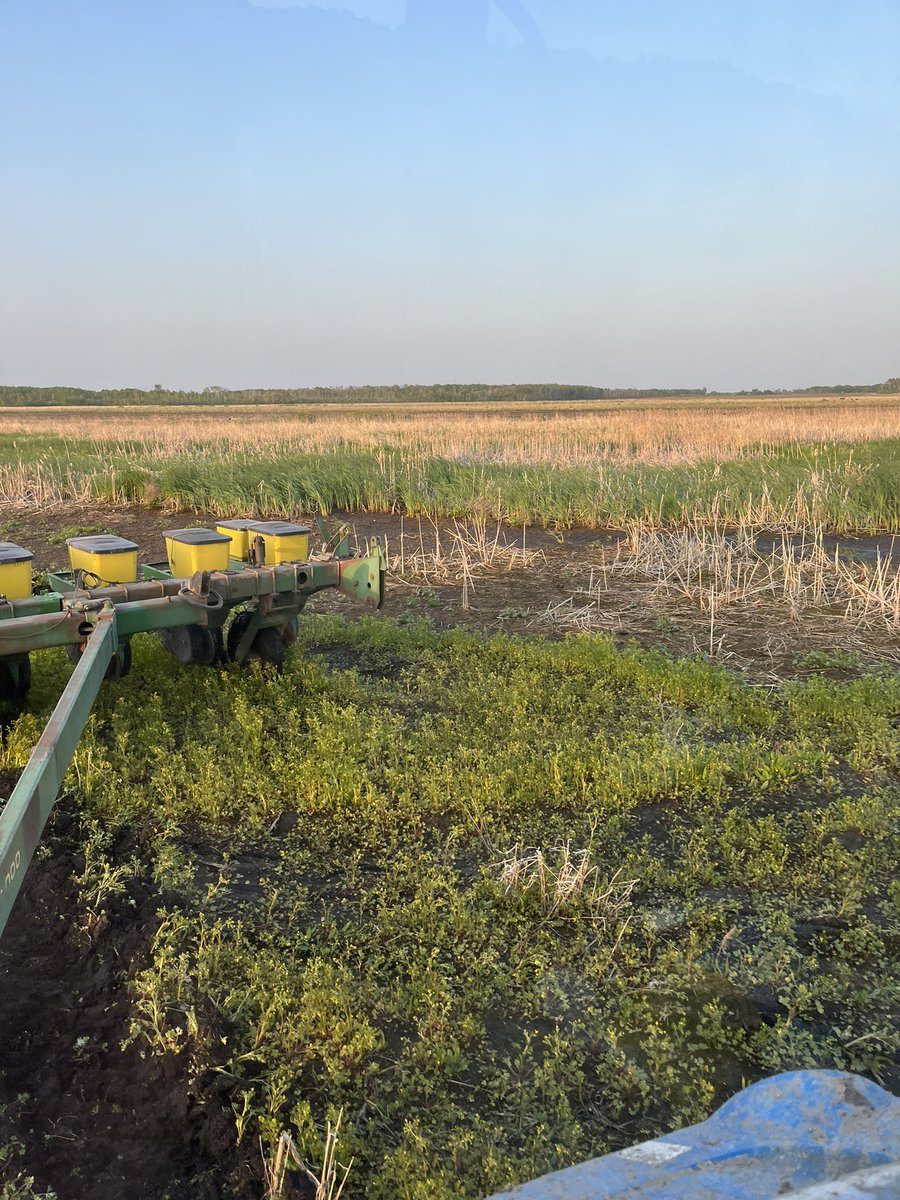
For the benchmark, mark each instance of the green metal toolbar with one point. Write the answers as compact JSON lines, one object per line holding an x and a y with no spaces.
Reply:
{"x":28,"y":808}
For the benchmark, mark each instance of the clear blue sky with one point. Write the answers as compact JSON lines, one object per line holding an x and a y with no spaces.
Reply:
{"x":617,"y":192}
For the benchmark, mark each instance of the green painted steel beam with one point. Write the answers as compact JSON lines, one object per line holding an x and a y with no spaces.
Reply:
{"x":165,"y":603}
{"x":363,"y":579}
{"x":41,"y":631}
{"x":25,"y":815}
{"x":155,"y":571}
{"x":150,"y":616}
{"x":46,"y":602}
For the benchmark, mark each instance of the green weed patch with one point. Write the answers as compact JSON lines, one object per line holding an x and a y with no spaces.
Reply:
{"x":507,"y":903}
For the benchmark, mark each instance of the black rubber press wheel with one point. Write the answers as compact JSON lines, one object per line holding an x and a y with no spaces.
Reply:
{"x":120,"y":664}
{"x":193,"y":645}
{"x":15,"y":684}
{"x":268,"y":645}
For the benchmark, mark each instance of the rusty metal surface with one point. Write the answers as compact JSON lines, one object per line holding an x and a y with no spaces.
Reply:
{"x":155,"y":604}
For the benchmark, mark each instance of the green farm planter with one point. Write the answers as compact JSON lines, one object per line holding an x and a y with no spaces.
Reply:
{"x":248,"y":612}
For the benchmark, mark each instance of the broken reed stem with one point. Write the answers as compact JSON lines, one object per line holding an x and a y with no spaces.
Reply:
{"x":458,"y":554}
{"x":562,"y":876}
{"x":327,"y":1184}
{"x":715,"y":569}
{"x":712,"y":621}
{"x":275,"y":1172}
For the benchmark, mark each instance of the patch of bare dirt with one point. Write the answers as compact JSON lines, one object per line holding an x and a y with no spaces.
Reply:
{"x":761,"y":640}
{"x":97,"y":1121}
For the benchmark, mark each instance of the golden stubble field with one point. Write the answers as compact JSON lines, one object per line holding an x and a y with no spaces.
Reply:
{"x":670,"y":433}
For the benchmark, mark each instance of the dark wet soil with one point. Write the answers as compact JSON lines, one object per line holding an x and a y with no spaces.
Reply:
{"x":44,"y":533}
{"x":760,"y":640}
{"x":8,"y":781}
{"x":97,"y":1121}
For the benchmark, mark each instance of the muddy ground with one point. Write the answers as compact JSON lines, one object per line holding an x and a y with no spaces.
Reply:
{"x":94,"y":1122}
{"x":765,"y":641}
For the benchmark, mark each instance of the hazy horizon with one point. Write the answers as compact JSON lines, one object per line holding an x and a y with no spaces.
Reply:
{"x":638,"y":391}
{"x":281,"y":194}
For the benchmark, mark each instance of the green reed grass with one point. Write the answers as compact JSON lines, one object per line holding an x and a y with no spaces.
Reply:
{"x":841,"y":488}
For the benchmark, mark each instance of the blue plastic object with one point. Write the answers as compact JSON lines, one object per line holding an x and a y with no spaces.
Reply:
{"x":819,"y":1135}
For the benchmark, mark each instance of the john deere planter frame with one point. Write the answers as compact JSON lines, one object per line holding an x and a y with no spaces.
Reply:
{"x":248,"y":612}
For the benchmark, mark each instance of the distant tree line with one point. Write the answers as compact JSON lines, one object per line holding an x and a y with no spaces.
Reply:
{"x":401,"y":394}
{"x":890,"y":387}
{"x":398,"y":394}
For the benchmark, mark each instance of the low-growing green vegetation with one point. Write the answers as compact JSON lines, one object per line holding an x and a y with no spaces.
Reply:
{"x":505,"y":903}
{"x":59,"y":537}
{"x":15,"y":1184}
